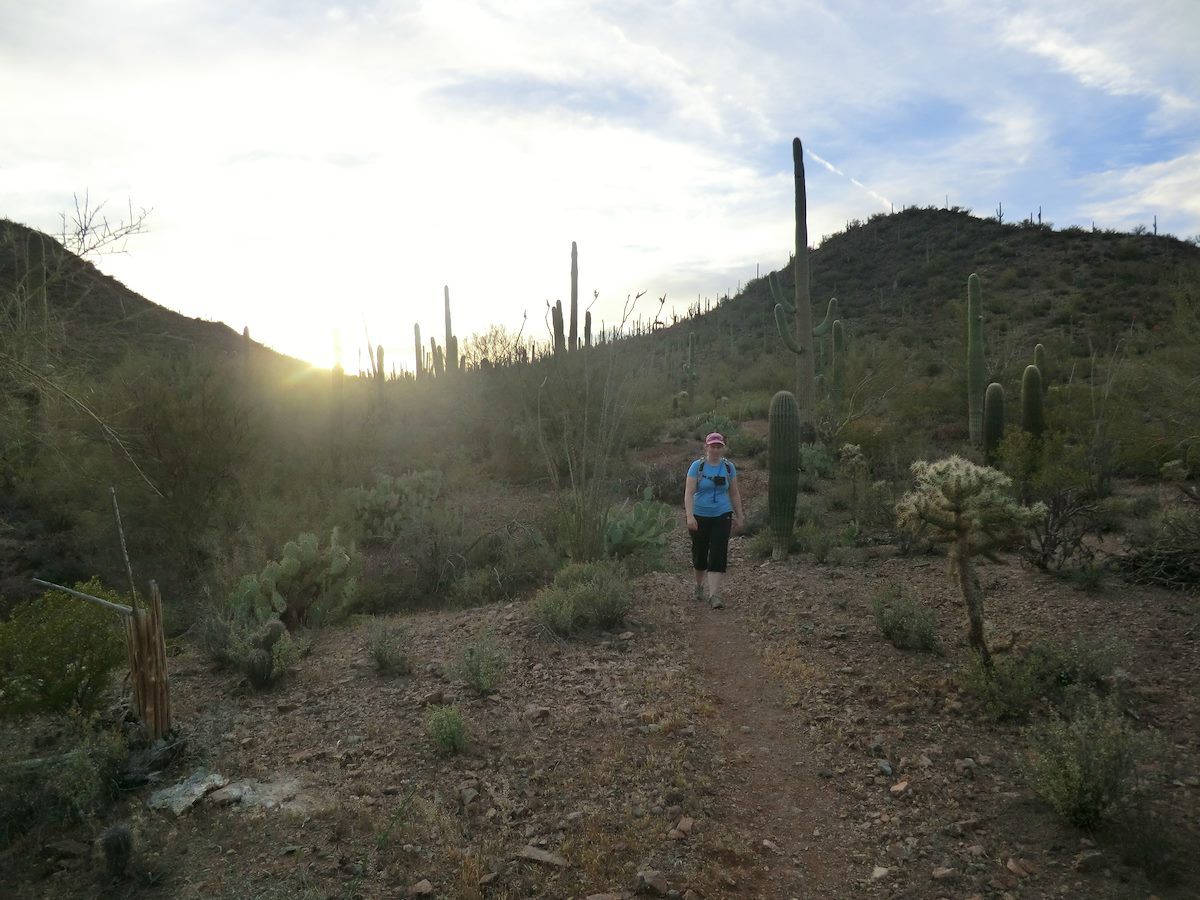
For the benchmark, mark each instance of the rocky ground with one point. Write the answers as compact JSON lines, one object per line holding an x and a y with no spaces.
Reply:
{"x":777,"y":748}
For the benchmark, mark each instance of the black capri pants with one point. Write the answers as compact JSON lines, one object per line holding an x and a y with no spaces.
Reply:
{"x":710,"y":542}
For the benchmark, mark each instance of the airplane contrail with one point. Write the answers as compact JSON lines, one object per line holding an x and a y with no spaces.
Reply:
{"x":836,"y":171}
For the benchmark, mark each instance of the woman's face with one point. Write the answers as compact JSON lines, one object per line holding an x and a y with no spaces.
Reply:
{"x":715,"y":451}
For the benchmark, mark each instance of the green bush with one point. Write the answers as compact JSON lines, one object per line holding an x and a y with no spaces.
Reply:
{"x":746,"y":445}
{"x":481,"y":663}
{"x":82,"y":782}
{"x":907,"y":623}
{"x":385,"y":510}
{"x":816,"y":540}
{"x":1058,"y":673}
{"x":58,"y":652}
{"x":584,"y":596}
{"x":418,"y":568}
{"x":388,"y":645}
{"x":445,"y":725}
{"x":640,"y":532}
{"x":504,"y":564}
{"x":1084,"y":767}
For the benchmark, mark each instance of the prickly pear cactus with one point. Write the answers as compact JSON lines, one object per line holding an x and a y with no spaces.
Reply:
{"x":783,"y":469}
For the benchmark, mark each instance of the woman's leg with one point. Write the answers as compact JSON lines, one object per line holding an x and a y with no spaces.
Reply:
{"x":718,"y":553}
{"x":700,"y":551}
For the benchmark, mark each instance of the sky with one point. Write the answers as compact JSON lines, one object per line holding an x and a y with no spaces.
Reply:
{"x":313,"y":169}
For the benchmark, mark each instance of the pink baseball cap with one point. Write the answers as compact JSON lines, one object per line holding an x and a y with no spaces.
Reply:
{"x":714,"y":438}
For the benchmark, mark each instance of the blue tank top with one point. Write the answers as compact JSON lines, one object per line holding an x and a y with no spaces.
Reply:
{"x":711,"y":499}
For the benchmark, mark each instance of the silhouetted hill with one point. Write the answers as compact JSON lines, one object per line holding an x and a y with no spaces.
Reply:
{"x":93,"y":317}
{"x":906,"y":274}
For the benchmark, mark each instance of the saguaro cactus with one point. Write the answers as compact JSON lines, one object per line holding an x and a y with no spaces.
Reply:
{"x":1039,"y":360}
{"x":689,"y":370}
{"x":802,"y":343}
{"x":451,"y":340}
{"x":783,"y":470}
{"x":993,"y":421}
{"x":839,"y":359}
{"x":560,"y":340}
{"x":1032,"y":418}
{"x":976,"y":372}
{"x":573,"y":338}
{"x":439,"y":361}
{"x":587,"y":328}
{"x":418,"y":352}
{"x":831,"y":316}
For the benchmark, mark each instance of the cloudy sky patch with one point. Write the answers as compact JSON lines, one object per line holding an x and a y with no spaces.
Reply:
{"x":314,"y":166}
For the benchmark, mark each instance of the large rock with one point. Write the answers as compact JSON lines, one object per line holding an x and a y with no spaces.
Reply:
{"x":181,"y":797}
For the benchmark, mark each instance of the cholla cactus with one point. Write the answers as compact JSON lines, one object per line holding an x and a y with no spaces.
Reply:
{"x":968,"y":507}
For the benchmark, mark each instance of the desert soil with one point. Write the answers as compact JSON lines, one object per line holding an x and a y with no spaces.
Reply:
{"x":777,"y":748}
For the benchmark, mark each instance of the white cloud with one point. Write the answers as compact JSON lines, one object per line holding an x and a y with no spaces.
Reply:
{"x":312,"y":165}
{"x":1169,"y":190}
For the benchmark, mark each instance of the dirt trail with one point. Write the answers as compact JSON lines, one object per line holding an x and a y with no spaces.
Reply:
{"x":771,"y":789}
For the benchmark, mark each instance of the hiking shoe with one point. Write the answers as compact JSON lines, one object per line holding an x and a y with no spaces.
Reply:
{"x":698,"y":594}
{"x":715,"y":602}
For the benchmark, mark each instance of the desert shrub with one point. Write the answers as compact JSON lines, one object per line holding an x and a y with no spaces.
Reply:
{"x":446,"y":726}
{"x":704,"y":424}
{"x":417,"y":568}
{"x":1059,"y":673}
{"x":746,"y":445}
{"x":262,"y":651}
{"x":640,"y":532}
{"x":389,"y":648}
{"x":82,"y":781}
{"x":817,"y":540}
{"x":481,"y":663}
{"x":584,"y":596}
{"x":903,"y":620}
{"x":761,"y":544}
{"x":1149,"y":843}
{"x":1168,"y":553}
{"x":665,"y":482}
{"x":504,"y":564}
{"x":1084,"y":767}
{"x":58,"y":652}
{"x":384,"y":511}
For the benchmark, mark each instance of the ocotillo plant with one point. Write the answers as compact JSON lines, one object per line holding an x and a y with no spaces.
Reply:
{"x":418,"y":351}
{"x":976,"y":373}
{"x":802,"y":343}
{"x":993,"y":421}
{"x":587,"y":328}
{"x":451,"y":340}
{"x":573,"y":339}
{"x":783,"y":470}
{"x":1032,"y":418}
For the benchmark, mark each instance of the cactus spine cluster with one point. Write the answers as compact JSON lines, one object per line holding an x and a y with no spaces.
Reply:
{"x":783,"y":469}
{"x":976,"y":374}
{"x":993,"y":421}
{"x":802,"y":343}
{"x":1032,"y":417}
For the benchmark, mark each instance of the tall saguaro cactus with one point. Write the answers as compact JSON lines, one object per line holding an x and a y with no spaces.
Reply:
{"x":783,"y":470}
{"x":976,"y":371}
{"x":1032,"y":418}
{"x":556,"y":316}
{"x":587,"y":328}
{"x":1039,"y":360}
{"x":418,"y":352}
{"x":573,"y":338}
{"x":839,"y":359}
{"x":993,"y":421}
{"x":802,"y":343}
{"x":451,"y":340}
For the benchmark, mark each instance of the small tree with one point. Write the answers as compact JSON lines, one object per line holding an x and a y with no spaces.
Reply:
{"x":970,"y":508}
